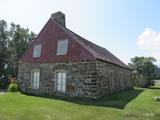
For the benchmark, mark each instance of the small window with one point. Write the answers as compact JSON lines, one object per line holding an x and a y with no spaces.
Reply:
{"x":35,"y":76}
{"x":61,"y":81}
{"x":62,"y":47}
{"x":37,"y":51}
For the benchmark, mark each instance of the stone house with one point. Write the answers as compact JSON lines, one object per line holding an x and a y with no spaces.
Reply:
{"x":60,"y":62}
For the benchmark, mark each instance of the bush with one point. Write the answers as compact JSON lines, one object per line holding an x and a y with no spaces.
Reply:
{"x":13,"y":87}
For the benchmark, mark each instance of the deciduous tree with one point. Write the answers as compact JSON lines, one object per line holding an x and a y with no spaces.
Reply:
{"x":3,"y":50}
{"x":144,"y":66}
{"x":14,"y":40}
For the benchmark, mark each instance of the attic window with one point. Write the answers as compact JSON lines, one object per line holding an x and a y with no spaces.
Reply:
{"x":37,"y":50}
{"x":62,"y":47}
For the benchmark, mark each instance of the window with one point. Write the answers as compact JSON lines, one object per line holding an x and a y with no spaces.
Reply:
{"x":61,"y":81}
{"x":37,"y":51}
{"x":62,"y":47}
{"x":35,"y":76}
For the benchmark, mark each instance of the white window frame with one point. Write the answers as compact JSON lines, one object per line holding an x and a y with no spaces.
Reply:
{"x":62,"y":88}
{"x":62,"y":47}
{"x":35,"y":78}
{"x":37,"y":51}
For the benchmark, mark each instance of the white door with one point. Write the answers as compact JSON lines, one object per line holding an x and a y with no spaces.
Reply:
{"x":61,"y":81}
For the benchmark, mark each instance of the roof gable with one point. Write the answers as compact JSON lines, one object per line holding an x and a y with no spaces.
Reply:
{"x":48,"y":38}
{"x":78,"y":49}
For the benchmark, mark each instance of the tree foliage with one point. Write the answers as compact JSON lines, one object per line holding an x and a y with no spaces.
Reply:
{"x":3,"y":50}
{"x":144,"y":66}
{"x":14,"y":40}
{"x":157,"y":72}
{"x":20,"y":39}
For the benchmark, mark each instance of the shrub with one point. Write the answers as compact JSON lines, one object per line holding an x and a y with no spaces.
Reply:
{"x":13,"y":87}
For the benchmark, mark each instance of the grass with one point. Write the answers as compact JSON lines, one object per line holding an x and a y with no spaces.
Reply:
{"x":135,"y":104}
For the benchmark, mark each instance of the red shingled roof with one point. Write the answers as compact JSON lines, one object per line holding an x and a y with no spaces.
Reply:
{"x":79,"y":48}
{"x":101,"y":53}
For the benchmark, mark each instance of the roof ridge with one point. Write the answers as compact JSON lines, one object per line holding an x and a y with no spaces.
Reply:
{"x":84,"y":43}
{"x":99,"y":47}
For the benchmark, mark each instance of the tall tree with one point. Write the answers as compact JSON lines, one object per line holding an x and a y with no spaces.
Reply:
{"x":14,"y":40}
{"x":3,"y":49}
{"x":144,"y":66}
{"x":20,"y":39}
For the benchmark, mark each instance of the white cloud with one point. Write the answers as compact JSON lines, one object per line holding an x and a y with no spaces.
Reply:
{"x":149,"y":40}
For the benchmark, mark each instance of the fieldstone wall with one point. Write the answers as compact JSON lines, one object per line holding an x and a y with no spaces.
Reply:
{"x":81,"y":78}
{"x":84,"y":78}
{"x":112,"y":78}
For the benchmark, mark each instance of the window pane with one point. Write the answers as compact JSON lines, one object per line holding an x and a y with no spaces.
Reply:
{"x":59,"y":87}
{"x":61,"y":81}
{"x":35,"y":79}
{"x":64,"y":78}
{"x":32,"y":78}
{"x":64,"y":75}
{"x":63,"y":88}
{"x":38,"y":84}
{"x":38,"y":75}
{"x":59,"y":76}
{"x":62,"y":47}
{"x":37,"y":51}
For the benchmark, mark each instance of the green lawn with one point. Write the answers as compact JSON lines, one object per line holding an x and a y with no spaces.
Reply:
{"x":135,"y":104}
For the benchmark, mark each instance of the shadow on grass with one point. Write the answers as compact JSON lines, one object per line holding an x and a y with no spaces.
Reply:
{"x":153,"y":87}
{"x":117,"y":100}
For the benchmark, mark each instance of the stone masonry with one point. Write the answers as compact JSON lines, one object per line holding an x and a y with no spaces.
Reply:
{"x":84,"y":78}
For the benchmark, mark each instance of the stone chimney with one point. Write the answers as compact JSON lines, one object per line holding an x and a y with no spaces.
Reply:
{"x":59,"y":17}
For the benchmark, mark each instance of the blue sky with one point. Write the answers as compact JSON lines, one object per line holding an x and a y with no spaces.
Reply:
{"x":127,"y":28}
